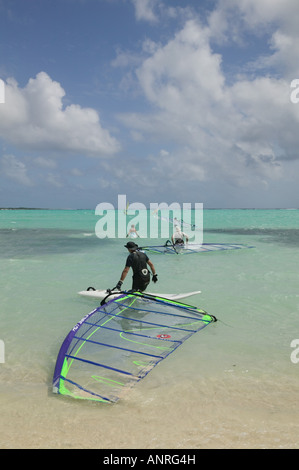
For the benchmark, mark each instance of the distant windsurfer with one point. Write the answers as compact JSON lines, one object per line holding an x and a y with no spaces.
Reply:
{"x":138,"y":261}
{"x":132,"y":233}
{"x":179,"y":237}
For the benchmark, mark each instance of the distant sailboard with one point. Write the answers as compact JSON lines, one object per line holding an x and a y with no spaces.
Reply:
{"x":170,"y":248}
{"x":116,"y":345}
{"x":101,"y":294}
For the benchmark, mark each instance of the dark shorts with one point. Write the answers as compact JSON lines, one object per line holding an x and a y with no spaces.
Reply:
{"x":139,"y":284}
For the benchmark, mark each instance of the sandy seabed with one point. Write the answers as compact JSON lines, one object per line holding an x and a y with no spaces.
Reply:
{"x":226,"y":414}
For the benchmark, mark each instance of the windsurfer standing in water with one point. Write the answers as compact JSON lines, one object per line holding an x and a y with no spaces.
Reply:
{"x":132,"y":233}
{"x":138,"y":261}
{"x":179,"y":236}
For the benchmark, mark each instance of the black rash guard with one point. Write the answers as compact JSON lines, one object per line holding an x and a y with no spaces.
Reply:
{"x":141,"y":276}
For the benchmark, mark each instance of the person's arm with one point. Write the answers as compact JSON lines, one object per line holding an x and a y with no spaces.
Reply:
{"x":155,"y":276}
{"x":124,"y":273}
{"x":186,"y":236}
{"x":152,"y":267}
{"x":122,"y":278}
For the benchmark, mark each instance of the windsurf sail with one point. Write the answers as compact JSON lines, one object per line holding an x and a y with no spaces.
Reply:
{"x":177,"y":222}
{"x":170,"y":248}
{"x":119,"y":343}
{"x":126,"y":209}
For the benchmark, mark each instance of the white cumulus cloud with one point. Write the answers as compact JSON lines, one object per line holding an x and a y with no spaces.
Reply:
{"x":239,"y":132}
{"x":34,"y":118}
{"x":144,"y":10}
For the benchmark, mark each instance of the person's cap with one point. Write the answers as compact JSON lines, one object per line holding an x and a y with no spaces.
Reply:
{"x":131,"y":246}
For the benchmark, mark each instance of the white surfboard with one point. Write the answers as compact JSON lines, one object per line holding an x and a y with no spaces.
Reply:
{"x":101,"y":294}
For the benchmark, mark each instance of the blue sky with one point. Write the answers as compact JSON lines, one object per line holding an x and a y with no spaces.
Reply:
{"x":164,"y":101}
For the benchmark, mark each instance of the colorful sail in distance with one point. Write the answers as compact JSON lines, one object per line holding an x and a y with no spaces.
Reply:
{"x":177,"y":222}
{"x":188,"y":248}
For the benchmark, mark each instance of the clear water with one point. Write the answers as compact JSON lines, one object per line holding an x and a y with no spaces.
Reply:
{"x":232,"y":385}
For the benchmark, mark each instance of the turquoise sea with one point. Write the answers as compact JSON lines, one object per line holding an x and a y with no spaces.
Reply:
{"x":231,"y":385}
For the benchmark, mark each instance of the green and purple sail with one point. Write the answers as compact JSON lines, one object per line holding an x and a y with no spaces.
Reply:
{"x":119,"y":343}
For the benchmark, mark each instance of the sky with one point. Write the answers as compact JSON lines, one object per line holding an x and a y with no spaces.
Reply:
{"x":187,"y":101}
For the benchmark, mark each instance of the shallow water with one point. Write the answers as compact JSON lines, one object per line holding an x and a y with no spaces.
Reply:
{"x":232,"y":385}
